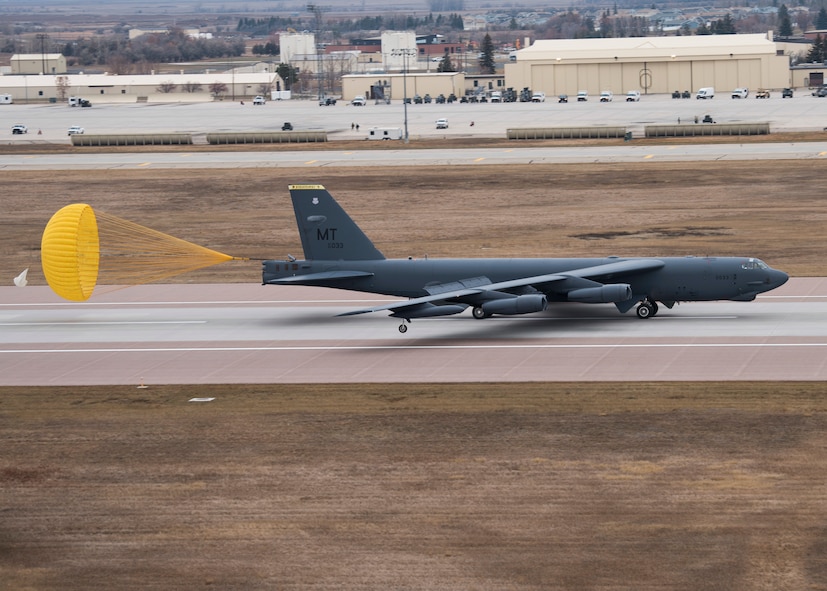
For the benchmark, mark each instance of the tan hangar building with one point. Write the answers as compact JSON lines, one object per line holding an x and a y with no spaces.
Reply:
{"x":650,"y":65}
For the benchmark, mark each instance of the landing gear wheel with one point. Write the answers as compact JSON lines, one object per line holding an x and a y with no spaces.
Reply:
{"x":403,"y":328}
{"x":479,"y":313}
{"x":647,"y":309}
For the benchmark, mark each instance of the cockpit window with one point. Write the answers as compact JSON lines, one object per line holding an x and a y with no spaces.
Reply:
{"x":754,"y":264}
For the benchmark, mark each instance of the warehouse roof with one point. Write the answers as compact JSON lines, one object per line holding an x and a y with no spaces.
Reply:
{"x":652,"y":47}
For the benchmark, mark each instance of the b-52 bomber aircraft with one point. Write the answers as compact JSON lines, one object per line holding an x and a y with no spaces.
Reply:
{"x":339,"y":255}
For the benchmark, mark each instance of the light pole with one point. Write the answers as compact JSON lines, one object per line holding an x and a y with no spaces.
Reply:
{"x":405,"y":53}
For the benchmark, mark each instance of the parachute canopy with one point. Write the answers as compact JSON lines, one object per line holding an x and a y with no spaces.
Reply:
{"x":81,"y":248}
{"x":70,"y":252}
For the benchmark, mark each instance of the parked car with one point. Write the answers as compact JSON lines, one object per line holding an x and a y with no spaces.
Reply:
{"x":820,"y":91}
{"x":287,"y":126}
{"x":606,"y":96}
{"x":740,"y":93}
{"x":787,"y":93}
{"x":359,"y":101}
{"x":442,"y":124}
{"x":327,"y":101}
{"x":582,"y":95}
{"x":259,"y":100}
{"x":762,"y":93}
{"x":76,"y":130}
{"x":19,"y":129}
{"x":563,"y":98}
{"x":538,"y":97}
{"x":633,"y":96}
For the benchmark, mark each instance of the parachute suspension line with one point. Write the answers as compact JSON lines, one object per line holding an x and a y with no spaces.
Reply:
{"x":132,"y":254}
{"x":81,"y":248}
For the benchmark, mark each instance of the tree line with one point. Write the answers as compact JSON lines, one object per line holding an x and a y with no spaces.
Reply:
{"x":123,"y":55}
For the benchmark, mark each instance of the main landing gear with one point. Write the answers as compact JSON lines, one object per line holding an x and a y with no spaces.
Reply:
{"x":647,"y":308}
{"x":403,"y":328}
{"x":479,"y":313}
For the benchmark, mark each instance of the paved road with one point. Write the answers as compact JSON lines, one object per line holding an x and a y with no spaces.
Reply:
{"x":257,"y":334}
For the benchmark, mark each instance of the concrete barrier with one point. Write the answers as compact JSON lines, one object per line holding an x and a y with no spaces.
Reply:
{"x":701,"y":129}
{"x":141,"y":139}
{"x":552,"y":133}
{"x":267,"y":137}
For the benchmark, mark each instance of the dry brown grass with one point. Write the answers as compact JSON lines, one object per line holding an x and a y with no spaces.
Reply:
{"x":489,"y":486}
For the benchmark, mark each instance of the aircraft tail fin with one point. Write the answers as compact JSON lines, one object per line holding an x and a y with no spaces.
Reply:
{"x":327,"y":232}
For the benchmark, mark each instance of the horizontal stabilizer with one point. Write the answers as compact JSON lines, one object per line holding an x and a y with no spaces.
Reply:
{"x":324,"y":278}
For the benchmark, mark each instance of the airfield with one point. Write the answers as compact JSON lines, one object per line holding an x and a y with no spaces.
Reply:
{"x":48,"y":123}
{"x":277,"y":446}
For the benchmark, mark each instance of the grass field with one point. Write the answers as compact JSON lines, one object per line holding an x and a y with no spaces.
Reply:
{"x":491,"y":486}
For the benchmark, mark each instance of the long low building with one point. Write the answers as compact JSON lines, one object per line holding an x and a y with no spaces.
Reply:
{"x":650,"y":64}
{"x":134,"y":87}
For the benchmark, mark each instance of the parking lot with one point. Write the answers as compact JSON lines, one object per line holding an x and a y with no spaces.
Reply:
{"x":51,"y":122}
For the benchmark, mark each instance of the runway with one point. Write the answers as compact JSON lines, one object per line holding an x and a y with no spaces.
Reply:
{"x":242,"y":333}
{"x":316,"y":159}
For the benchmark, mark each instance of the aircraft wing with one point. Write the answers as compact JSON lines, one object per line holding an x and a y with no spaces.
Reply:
{"x":543,"y":283}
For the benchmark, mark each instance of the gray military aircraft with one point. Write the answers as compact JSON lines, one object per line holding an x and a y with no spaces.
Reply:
{"x":339,"y":255}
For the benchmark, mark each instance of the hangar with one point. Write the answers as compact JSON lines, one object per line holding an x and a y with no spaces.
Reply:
{"x":650,"y":64}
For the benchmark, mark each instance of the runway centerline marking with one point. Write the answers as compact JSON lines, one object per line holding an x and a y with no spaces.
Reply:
{"x":102,"y":323}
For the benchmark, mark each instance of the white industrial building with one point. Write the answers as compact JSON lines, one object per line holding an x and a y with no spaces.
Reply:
{"x":150,"y":87}
{"x":649,"y":64}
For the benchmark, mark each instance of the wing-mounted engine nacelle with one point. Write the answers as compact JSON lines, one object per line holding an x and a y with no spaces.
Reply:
{"x":614,"y":292}
{"x":524,"y":304}
{"x":428,"y":310}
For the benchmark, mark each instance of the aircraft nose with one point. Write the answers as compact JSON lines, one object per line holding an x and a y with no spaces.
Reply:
{"x":777,"y":278}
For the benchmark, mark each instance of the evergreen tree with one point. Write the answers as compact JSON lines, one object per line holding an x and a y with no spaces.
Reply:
{"x":816,"y":53}
{"x":487,"y":64}
{"x":785,"y":25}
{"x":446,"y":65}
{"x":821,"y":19}
{"x":703,"y":30}
{"x":288,"y":74}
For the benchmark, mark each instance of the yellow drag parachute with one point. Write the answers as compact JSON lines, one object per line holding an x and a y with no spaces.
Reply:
{"x":81,"y":248}
{"x":70,"y":252}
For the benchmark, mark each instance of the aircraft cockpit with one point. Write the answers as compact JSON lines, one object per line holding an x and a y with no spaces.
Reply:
{"x":750,"y":264}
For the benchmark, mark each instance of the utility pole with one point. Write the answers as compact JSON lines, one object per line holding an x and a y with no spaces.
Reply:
{"x":405,"y":53}
{"x":42,"y":38}
{"x":317,"y":18}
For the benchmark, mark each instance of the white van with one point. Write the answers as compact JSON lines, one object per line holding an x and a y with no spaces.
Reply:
{"x":705,"y":93}
{"x":633,"y":96}
{"x":496,"y":97}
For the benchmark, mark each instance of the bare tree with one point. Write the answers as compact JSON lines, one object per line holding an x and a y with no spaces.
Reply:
{"x":265,"y":89}
{"x":192,"y":87}
{"x":217,"y":89}
{"x":62,"y":87}
{"x":167,"y":87}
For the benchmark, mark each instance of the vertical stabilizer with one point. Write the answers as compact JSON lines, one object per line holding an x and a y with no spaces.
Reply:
{"x":327,"y":231}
